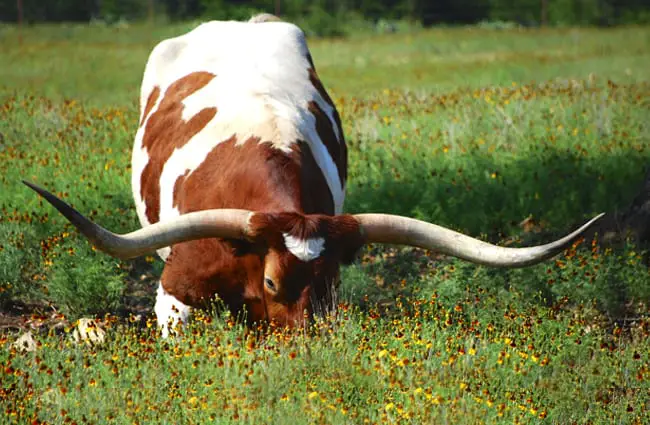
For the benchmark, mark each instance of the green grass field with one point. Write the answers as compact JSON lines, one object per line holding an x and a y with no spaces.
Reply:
{"x":469,"y":128}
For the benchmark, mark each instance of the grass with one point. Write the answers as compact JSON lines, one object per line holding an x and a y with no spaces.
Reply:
{"x":469,"y":128}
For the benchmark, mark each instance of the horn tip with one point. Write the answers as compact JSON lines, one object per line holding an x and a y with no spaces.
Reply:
{"x":28,"y":183}
{"x":34,"y":187}
{"x":596,"y":218}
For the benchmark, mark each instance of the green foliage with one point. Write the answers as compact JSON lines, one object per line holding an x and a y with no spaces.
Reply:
{"x":114,"y":10}
{"x":520,"y":11}
{"x":60,"y":144}
{"x":19,"y":262}
{"x":583,"y":12}
{"x":613,"y":282}
{"x":222,"y":10}
{"x":431,"y":362}
{"x":318,"y":22}
{"x":82,"y":282}
{"x":493,"y":156}
{"x":326,"y":17}
{"x":470,"y":128}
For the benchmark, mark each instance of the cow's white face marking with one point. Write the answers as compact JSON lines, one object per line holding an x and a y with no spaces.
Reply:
{"x":304,"y":249}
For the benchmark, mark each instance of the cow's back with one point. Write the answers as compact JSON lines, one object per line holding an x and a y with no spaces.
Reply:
{"x":229,"y":81}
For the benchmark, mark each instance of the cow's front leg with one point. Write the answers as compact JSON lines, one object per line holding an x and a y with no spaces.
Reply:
{"x":169,"y":311}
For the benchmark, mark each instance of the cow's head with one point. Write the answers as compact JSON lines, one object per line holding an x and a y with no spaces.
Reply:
{"x":300,"y":253}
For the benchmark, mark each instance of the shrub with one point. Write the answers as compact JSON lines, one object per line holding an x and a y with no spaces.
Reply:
{"x":82,"y":281}
{"x":18,"y":263}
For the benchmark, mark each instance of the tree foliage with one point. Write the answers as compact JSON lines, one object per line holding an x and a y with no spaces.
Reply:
{"x":525,"y":12}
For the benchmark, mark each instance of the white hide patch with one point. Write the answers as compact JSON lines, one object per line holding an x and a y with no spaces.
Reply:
{"x":169,"y":311}
{"x":304,"y":249}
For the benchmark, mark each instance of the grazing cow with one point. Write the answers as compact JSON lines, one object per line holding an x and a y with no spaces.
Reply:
{"x":239,"y":170}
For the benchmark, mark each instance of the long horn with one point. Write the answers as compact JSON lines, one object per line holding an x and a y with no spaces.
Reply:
{"x":392,"y":229}
{"x":222,"y":223}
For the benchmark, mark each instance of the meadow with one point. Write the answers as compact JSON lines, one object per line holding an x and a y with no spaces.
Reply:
{"x":475,"y":129}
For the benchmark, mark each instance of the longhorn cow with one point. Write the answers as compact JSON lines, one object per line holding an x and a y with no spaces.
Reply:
{"x":238,"y":173}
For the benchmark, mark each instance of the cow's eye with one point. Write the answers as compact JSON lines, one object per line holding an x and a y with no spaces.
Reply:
{"x":270,"y":285}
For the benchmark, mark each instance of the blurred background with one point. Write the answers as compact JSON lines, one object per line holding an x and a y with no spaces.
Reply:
{"x":338,"y":17}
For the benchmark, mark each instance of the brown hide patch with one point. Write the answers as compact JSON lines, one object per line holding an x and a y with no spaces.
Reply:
{"x":166,"y":131}
{"x":316,"y":197}
{"x":341,"y":160}
{"x":328,"y":137}
{"x":257,"y":177}
{"x":203,"y":268}
{"x":151,"y":101}
{"x":178,"y":186}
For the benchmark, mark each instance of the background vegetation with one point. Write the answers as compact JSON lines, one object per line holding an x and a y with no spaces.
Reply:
{"x":329,"y":17}
{"x":471,"y":128}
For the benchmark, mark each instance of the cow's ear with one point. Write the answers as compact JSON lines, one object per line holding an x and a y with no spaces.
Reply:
{"x":344,"y":237}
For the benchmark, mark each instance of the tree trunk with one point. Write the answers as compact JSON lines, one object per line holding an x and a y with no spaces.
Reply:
{"x":544,"y":13}
{"x":19,"y":9}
